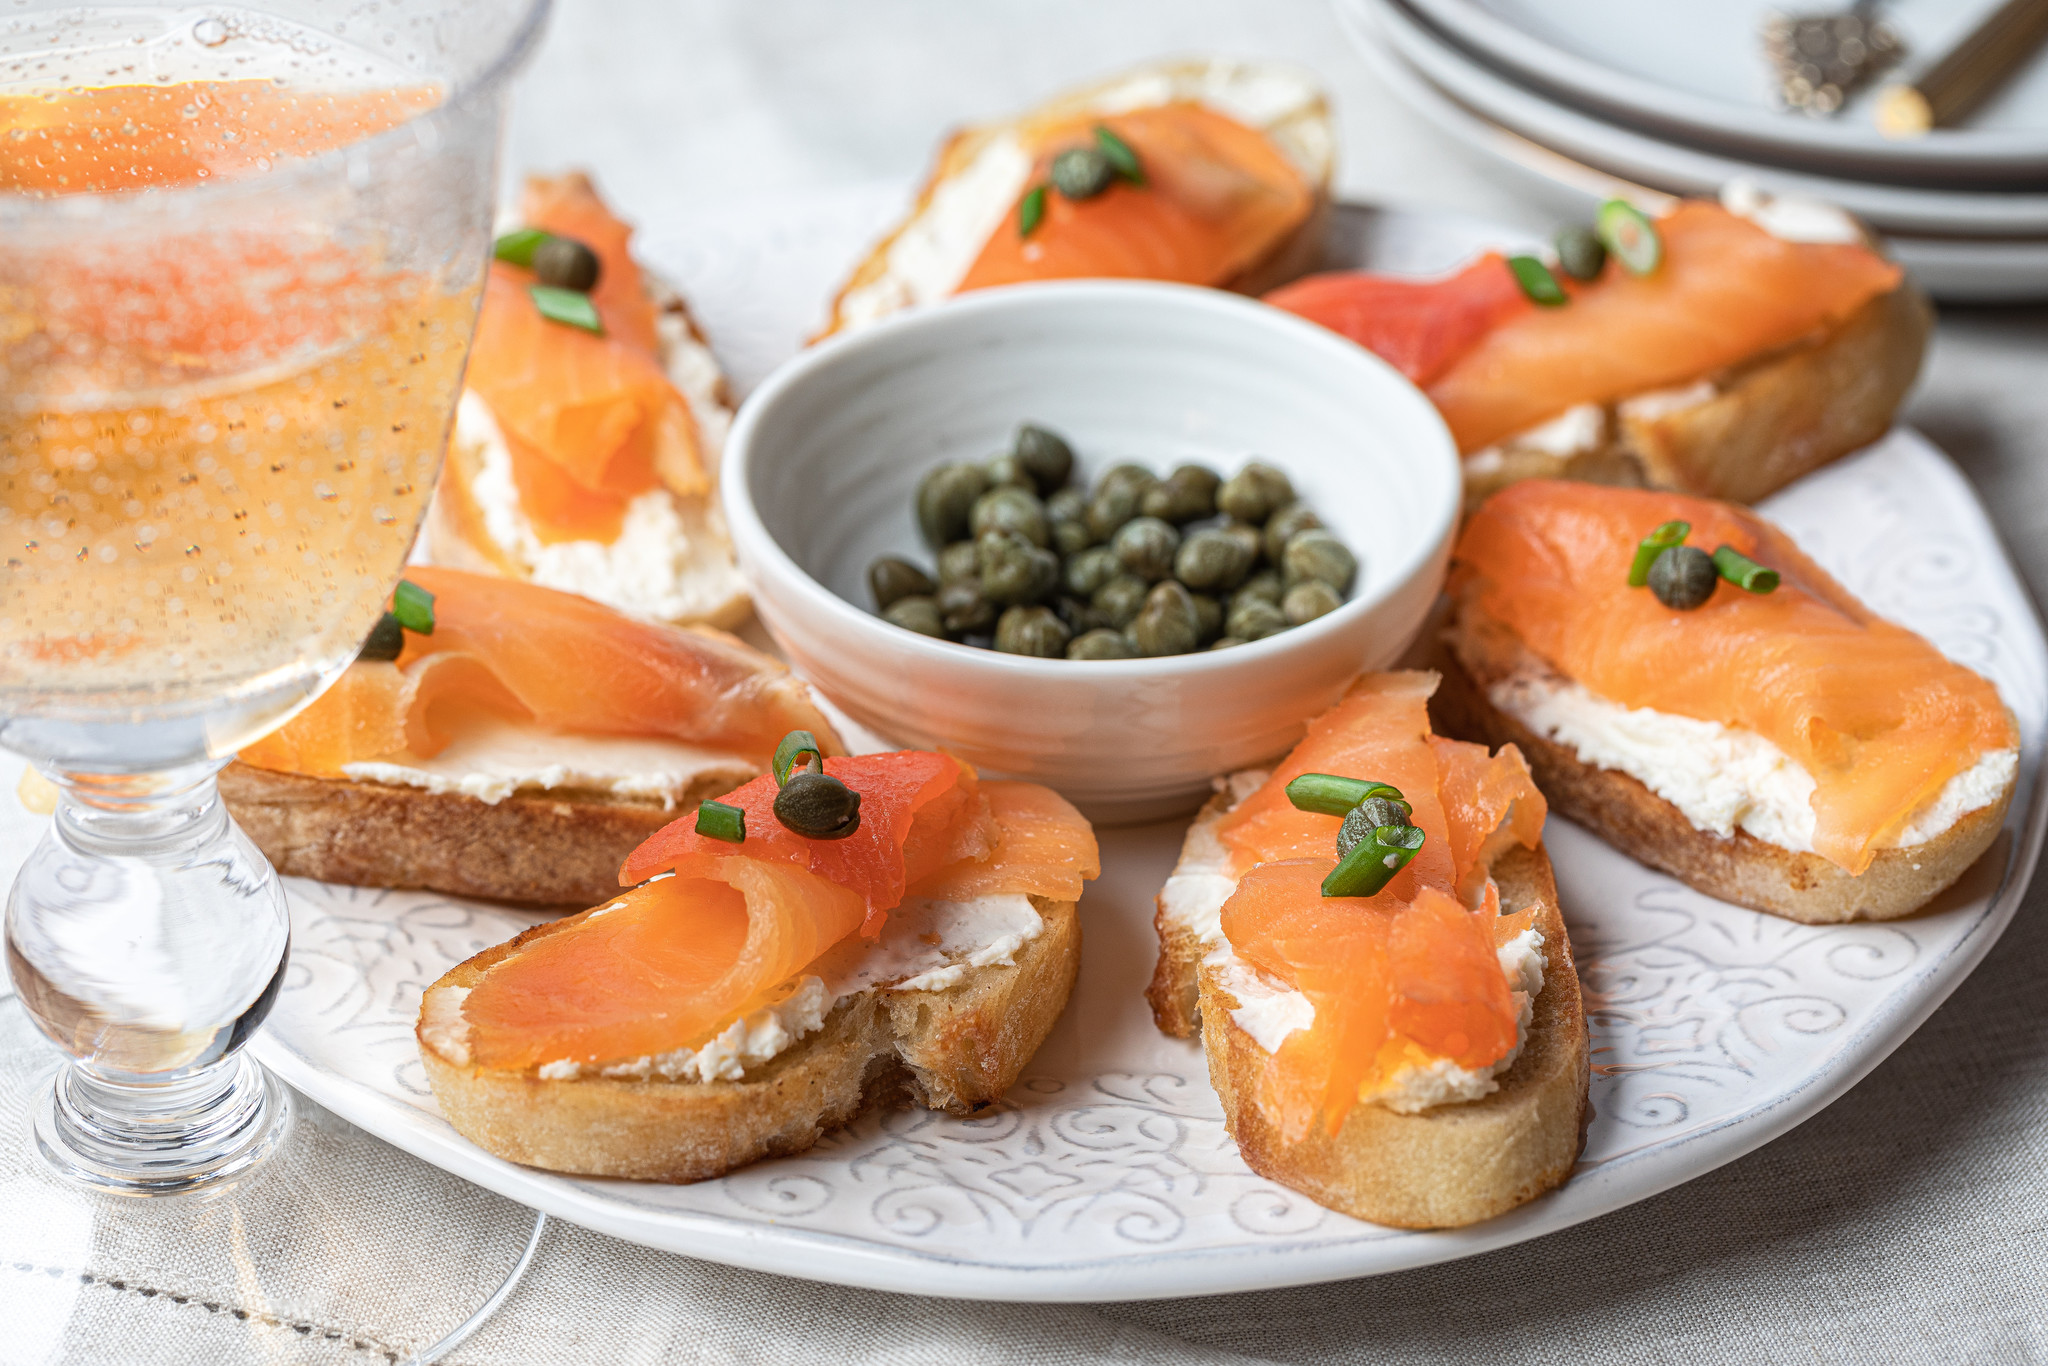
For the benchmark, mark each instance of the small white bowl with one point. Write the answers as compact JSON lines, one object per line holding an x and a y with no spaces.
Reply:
{"x":823,"y":463}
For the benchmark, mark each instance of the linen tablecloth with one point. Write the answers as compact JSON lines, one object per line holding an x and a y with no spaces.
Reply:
{"x":1905,"y":1223}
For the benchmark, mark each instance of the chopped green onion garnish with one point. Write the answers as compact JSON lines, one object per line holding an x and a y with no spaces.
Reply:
{"x":414,"y":607}
{"x":569,"y":306}
{"x":718,"y":821}
{"x":1653,"y":545}
{"x":1120,"y":154}
{"x":790,"y":753}
{"x":385,"y":641}
{"x":1031,"y":212}
{"x":1744,"y":572}
{"x":517,"y":248}
{"x":1327,"y":794}
{"x":1629,"y":235}
{"x":1373,"y":863}
{"x":1537,"y":282}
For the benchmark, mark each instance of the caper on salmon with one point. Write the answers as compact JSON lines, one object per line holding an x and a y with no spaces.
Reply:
{"x":1033,"y":559}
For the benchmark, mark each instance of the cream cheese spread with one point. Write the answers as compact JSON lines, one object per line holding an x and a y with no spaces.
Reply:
{"x":1787,"y":217}
{"x":490,"y":758}
{"x":939,"y":244}
{"x":1722,"y":778}
{"x":926,"y":945}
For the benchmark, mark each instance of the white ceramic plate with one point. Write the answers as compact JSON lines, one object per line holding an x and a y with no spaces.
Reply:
{"x":1697,"y":72}
{"x":1671,"y":166}
{"x":1961,"y":269}
{"x":1108,"y":1174}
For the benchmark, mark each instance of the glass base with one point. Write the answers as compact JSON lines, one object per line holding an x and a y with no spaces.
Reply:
{"x":210,"y":1130}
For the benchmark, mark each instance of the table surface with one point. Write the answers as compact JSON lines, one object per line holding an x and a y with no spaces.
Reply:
{"x":1904,"y":1223}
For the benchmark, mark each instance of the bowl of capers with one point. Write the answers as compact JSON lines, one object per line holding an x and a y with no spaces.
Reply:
{"x":1116,"y":537}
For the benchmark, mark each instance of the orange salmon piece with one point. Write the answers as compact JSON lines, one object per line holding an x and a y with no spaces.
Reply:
{"x":1727,"y":291}
{"x":1878,"y":716}
{"x":898,"y":793}
{"x":1043,"y":847}
{"x":658,"y":969}
{"x":1218,"y":198}
{"x":1490,"y":801}
{"x":1420,"y":327}
{"x":568,"y":206}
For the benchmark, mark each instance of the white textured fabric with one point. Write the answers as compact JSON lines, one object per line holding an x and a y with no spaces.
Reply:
{"x":1902,"y":1224}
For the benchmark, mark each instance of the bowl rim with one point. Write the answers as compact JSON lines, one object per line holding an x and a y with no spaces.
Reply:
{"x":750,"y":533}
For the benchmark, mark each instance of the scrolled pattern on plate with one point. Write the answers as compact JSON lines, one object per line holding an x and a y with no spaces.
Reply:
{"x":1107,"y":1172}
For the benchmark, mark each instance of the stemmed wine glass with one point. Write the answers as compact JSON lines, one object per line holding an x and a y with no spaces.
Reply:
{"x":243,"y":255}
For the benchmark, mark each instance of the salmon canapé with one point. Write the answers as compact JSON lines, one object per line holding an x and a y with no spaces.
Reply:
{"x":1405,"y":982}
{"x":1872,"y":717}
{"x":726,"y":928}
{"x":1496,"y":365}
{"x":554,"y":661}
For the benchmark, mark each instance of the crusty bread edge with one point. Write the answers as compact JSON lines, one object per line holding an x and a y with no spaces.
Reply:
{"x":1295,"y":255}
{"x":1448,"y":1166}
{"x":957,"y":1050}
{"x":1743,"y":870}
{"x":540,"y":850}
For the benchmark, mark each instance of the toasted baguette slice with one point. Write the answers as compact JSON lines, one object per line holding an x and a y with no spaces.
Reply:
{"x":1748,"y":431}
{"x":923,"y":257}
{"x":546,"y":850}
{"x":1623,"y":811}
{"x":475,"y":521}
{"x":956,"y":1050}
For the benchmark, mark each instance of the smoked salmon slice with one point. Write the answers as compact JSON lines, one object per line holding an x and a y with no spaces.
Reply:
{"x":561,"y":661}
{"x":1410,"y":974}
{"x":1875,"y":714}
{"x":668,"y":964}
{"x":590,"y":420}
{"x":1727,"y":292}
{"x":1218,"y":197}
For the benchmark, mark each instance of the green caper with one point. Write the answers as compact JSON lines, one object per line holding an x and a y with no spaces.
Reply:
{"x":1253,"y":619}
{"x":1316,"y":554}
{"x":565,"y":263}
{"x":1208,"y":616}
{"x":1066,"y":504}
{"x":1224,"y":642}
{"x":1146,"y":546}
{"x":890,"y":578}
{"x":1079,"y":614}
{"x":1082,"y":172}
{"x":1186,"y":495}
{"x":1032,"y":631}
{"x":1111,"y":507}
{"x":945,"y":501}
{"x":1212,"y":561}
{"x":1121,"y":599}
{"x":385,"y":641}
{"x":1580,"y":252}
{"x":1309,"y":599}
{"x":1284,"y":526}
{"x":1006,"y":471}
{"x":1010,"y":508}
{"x":964,"y":610}
{"x":1169,"y":623}
{"x":818,"y":806}
{"x":1071,"y":538}
{"x":1683,"y":577}
{"x":1089,"y":570}
{"x":1134,"y":477}
{"x":919,"y":614}
{"x":958,"y":563}
{"x":1266,"y":584}
{"x":1254,"y":493}
{"x":1254,"y":539}
{"x":1099,"y":644}
{"x":1013,"y":570}
{"x":1046,"y":454}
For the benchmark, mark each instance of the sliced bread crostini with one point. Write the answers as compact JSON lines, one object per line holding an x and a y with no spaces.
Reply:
{"x":769,"y":991}
{"x":1786,"y":750}
{"x":1767,"y":339}
{"x":473,"y":760}
{"x":1404,"y":1133}
{"x":587,"y":461}
{"x":1234,"y":194}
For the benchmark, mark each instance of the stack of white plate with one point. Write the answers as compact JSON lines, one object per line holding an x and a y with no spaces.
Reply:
{"x":1607,"y":96}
